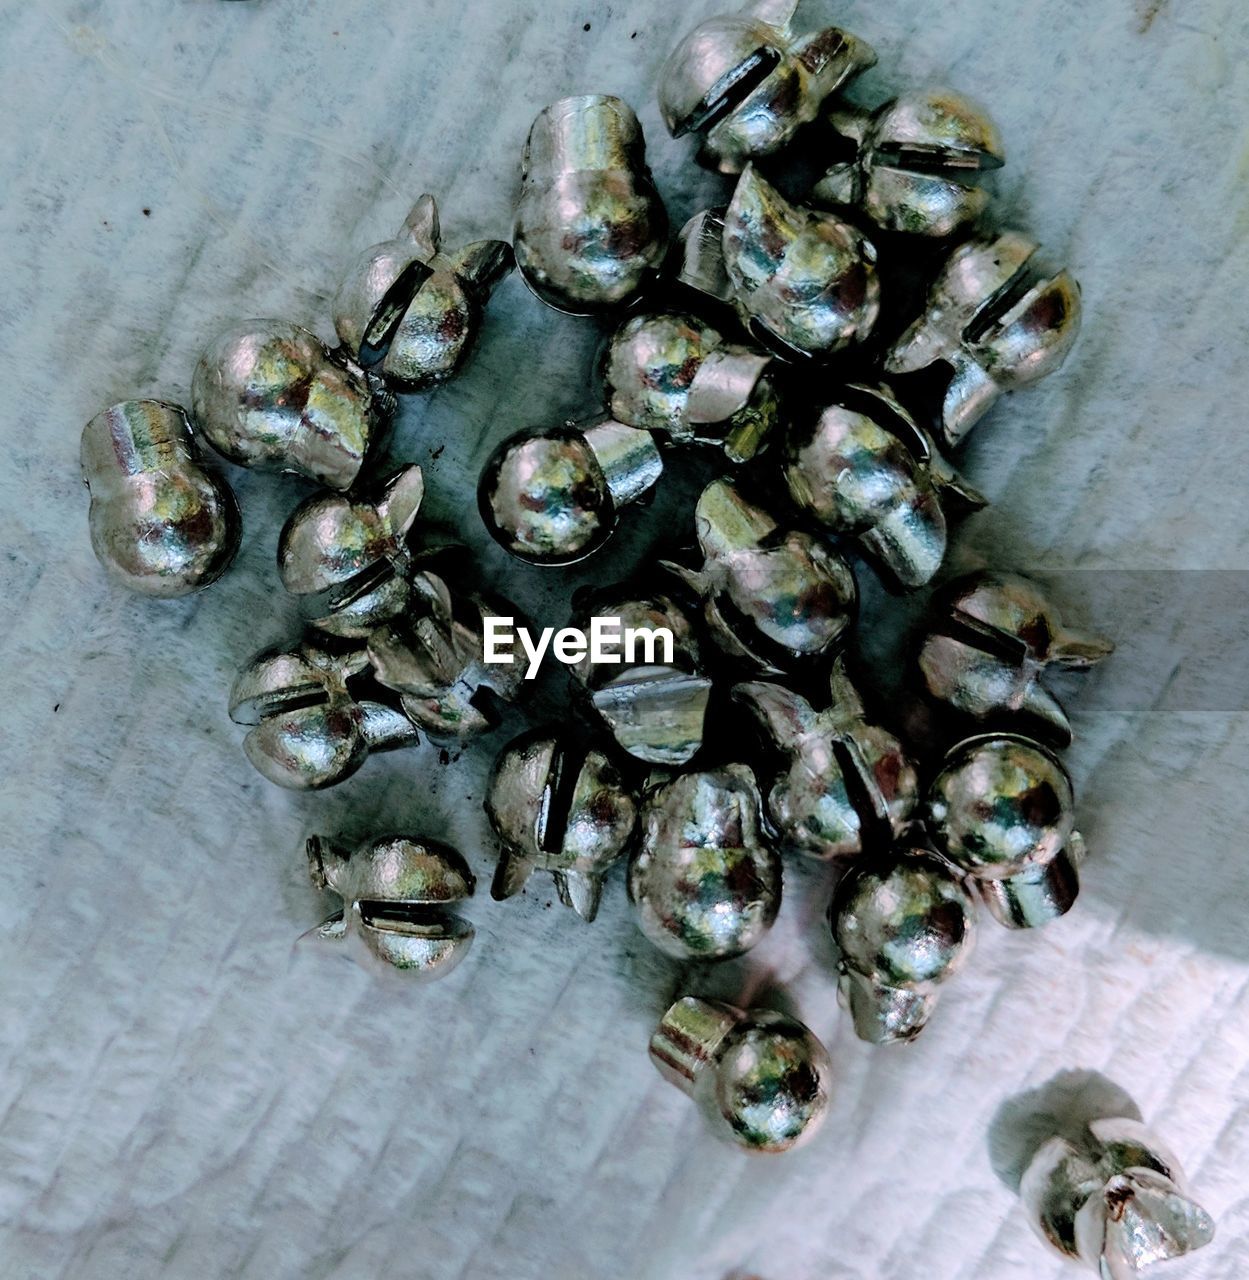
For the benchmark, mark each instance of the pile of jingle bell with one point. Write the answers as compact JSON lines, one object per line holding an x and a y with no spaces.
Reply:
{"x":769,"y":290}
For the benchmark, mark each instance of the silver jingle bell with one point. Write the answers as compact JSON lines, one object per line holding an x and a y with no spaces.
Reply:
{"x":990,"y":639}
{"x":770,"y":598}
{"x":552,"y":497}
{"x":1117,"y":1202}
{"x":803,"y":281}
{"x":912,"y":162}
{"x":997,"y":320}
{"x":268,"y":394}
{"x":560,"y":809}
{"x":850,"y":787}
{"x":1002,"y":810}
{"x":747,"y":83}
{"x":675,"y":374}
{"x":653,"y":707}
{"x":349,"y":553}
{"x":434,"y":658}
{"x":419,"y":306}
{"x":310,"y":729}
{"x":704,"y":883}
{"x":394,"y":891}
{"x":161,"y":524}
{"x":864,"y":469}
{"x":760,"y":1077}
{"x":903,"y":925}
{"x":591,"y":230}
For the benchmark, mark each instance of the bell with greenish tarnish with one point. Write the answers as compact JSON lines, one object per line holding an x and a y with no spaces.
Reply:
{"x":652,"y":703}
{"x":591,"y":231}
{"x":802,"y":281}
{"x":863,"y":469}
{"x":903,"y":925}
{"x":760,"y":1078}
{"x":674,"y":374}
{"x":911,"y":165}
{"x":774,"y":599}
{"x":562,"y":809}
{"x":990,"y":638}
{"x":996,"y":320}
{"x":1116,"y":1200}
{"x":704,"y":882}
{"x":747,"y":82}
{"x":268,"y":394}
{"x":415,"y":307}
{"x":849,"y":786}
{"x":553,"y":497}
{"x":161,"y":523}
{"x":314,"y":717}
{"x":395,"y":890}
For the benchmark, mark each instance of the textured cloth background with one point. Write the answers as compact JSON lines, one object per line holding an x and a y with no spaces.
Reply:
{"x":183,"y":1094}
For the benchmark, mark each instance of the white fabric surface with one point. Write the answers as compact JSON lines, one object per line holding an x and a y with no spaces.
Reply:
{"x":184,"y":1096}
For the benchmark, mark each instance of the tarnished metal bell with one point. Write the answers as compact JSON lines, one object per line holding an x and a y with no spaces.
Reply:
{"x":773,"y":598}
{"x":704,"y":882}
{"x":862,"y":468}
{"x":803,"y":281}
{"x":761,"y":1078}
{"x":349,"y":553}
{"x":161,"y":524}
{"x":653,"y":708}
{"x":673,"y":373}
{"x":434,"y":658}
{"x":903,"y":924}
{"x":910,"y":165}
{"x":417,"y":307}
{"x":395,"y":890}
{"x":268,"y":394}
{"x":591,"y":230}
{"x":996,"y":320}
{"x":552,"y":497}
{"x":312,"y":726}
{"x":747,"y":83}
{"x":1002,"y":810}
{"x":562,"y":809}
{"x":850,"y":787}
{"x":1118,"y":1201}
{"x":990,"y":639}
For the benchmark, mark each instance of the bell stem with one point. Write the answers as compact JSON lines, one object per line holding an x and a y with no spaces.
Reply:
{"x":688,"y":1039}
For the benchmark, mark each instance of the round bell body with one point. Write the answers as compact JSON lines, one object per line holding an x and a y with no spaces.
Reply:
{"x":160,"y":524}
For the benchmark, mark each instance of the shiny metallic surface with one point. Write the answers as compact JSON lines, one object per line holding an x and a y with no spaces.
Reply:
{"x":560,"y":809}
{"x":803,"y":280}
{"x":990,"y":639}
{"x":849,"y":785}
{"x":654,"y":710}
{"x":434,"y":658}
{"x":394,"y":891}
{"x":161,"y":524}
{"x":760,"y":1078}
{"x":552,"y":497}
{"x":914,"y":162}
{"x":747,"y":82}
{"x":704,"y":883}
{"x":312,"y":726}
{"x":864,"y":469}
{"x":903,"y":925}
{"x":591,"y":231}
{"x":268,"y":394}
{"x":674,"y":374}
{"x":772,"y":598}
{"x":416,"y":306}
{"x":996,"y":320}
{"x":1117,"y":1200}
